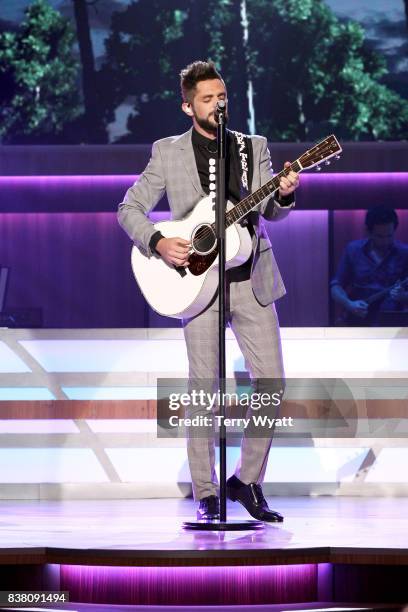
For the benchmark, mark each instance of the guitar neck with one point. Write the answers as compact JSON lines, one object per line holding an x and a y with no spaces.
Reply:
{"x":377,"y":296}
{"x":245,"y":206}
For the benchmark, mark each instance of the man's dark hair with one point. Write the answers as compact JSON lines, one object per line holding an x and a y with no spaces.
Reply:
{"x":380,"y":215}
{"x":192,"y":74}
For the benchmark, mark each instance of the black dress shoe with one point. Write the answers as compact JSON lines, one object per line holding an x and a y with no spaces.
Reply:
{"x":209,"y":509}
{"x":251,"y":497}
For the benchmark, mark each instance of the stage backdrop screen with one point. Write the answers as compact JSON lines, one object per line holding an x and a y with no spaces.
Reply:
{"x":106,"y":71}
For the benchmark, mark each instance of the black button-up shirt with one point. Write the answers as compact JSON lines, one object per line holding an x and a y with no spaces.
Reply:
{"x":205,"y":149}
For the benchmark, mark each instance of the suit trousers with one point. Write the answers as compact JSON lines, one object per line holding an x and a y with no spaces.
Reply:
{"x":256,"y":329}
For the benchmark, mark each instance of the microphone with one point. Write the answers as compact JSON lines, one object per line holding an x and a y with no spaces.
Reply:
{"x":220,"y":109}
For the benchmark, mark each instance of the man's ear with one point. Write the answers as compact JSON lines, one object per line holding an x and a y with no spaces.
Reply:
{"x":186,"y":106}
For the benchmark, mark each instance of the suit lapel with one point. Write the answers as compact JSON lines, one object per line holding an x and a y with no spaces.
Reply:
{"x":188,"y":157}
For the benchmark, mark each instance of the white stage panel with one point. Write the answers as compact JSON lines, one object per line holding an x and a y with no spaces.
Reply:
{"x":300,"y":464}
{"x":286,"y":465}
{"x":42,"y":465}
{"x":304,"y":355}
{"x":390,"y":466}
{"x":10,"y":362}
{"x":153,"y":465}
{"x":25,"y":394}
{"x":345,"y":356}
{"x":110,"y":393}
{"x":107,"y":355}
{"x":38,"y":426}
{"x":107,"y":426}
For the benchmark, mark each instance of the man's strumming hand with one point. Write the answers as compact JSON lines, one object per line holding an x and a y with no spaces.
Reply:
{"x":174,"y":251}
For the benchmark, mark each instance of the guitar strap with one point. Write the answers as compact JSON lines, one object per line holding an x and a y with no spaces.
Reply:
{"x":245,"y":156}
{"x":243,"y":146}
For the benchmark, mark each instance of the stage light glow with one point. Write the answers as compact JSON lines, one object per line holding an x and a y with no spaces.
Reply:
{"x":100,"y":193}
{"x":59,"y":180}
{"x":192,"y":585}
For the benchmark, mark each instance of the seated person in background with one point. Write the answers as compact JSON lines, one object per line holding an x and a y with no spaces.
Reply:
{"x":372,"y":275}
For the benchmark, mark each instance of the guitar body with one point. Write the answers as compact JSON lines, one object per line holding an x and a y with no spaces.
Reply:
{"x":185,"y":292}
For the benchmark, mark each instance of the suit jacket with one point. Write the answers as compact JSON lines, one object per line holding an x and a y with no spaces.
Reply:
{"x":172,"y":169}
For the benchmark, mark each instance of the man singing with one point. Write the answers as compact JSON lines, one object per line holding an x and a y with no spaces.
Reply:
{"x":180,"y":166}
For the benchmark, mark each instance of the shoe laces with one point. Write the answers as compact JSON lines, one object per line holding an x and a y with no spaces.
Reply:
{"x":257,"y":493}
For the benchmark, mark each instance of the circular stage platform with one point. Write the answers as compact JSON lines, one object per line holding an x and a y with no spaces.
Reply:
{"x":135,"y":552}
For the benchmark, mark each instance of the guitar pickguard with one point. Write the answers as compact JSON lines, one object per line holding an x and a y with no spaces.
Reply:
{"x":200,"y":263}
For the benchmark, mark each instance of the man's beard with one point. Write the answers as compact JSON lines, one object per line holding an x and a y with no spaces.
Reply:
{"x":206,"y":124}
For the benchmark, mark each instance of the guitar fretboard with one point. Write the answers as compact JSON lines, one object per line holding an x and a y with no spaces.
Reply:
{"x":243,"y":207}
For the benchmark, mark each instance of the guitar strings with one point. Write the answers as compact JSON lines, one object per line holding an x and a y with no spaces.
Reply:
{"x":250,"y":200}
{"x":268,"y":185}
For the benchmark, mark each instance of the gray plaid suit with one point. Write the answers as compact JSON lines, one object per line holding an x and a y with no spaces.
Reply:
{"x":251,"y":311}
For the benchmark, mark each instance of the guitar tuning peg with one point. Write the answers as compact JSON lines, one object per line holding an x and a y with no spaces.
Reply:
{"x":327,"y":162}
{"x":318,"y":168}
{"x":337,"y":157}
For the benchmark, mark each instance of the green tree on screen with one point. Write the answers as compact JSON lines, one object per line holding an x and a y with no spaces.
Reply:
{"x":300,"y":73}
{"x":38,"y":78}
{"x":318,"y":74}
{"x":141,"y":64}
{"x":150,"y":41}
{"x":311,"y":72}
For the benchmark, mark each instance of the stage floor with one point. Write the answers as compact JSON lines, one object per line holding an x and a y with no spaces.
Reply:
{"x":149,"y":532}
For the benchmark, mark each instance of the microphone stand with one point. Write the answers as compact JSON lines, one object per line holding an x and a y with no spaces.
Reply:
{"x":220,"y":209}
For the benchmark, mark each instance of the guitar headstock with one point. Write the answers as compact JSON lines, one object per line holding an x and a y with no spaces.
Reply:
{"x":327,"y":148}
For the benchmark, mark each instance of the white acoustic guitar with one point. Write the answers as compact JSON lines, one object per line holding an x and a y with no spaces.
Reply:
{"x":183,"y":292}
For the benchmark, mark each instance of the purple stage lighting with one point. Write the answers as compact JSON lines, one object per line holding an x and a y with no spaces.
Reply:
{"x":99,"y":193}
{"x":191,"y":585}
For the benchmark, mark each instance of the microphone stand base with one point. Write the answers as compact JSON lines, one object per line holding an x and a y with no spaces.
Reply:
{"x":233,"y":525}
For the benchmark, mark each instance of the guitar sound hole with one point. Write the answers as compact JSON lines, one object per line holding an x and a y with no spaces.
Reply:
{"x":203,"y":239}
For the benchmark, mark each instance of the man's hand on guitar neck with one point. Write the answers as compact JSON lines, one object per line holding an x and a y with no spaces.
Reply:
{"x":174,"y":251}
{"x":288,"y":183}
{"x":398,"y":293}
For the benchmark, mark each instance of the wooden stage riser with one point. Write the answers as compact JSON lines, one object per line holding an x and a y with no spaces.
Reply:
{"x":147,"y":409}
{"x":232,"y":558}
